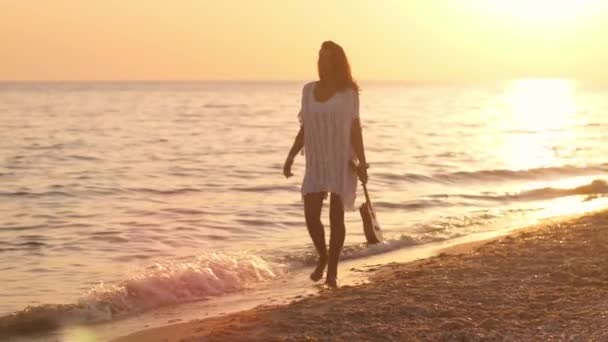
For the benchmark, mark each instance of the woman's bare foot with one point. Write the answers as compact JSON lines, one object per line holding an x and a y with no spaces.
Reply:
{"x":331,"y":282}
{"x":317,"y":274}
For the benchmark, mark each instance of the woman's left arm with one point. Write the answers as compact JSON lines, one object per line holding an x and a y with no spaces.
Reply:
{"x":356,"y":139}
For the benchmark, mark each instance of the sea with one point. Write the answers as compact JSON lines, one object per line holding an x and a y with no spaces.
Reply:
{"x":118,"y":198}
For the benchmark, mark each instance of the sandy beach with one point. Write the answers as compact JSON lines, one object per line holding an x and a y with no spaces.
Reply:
{"x":548,"y":282}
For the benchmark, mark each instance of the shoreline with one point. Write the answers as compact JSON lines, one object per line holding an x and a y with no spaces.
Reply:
{"x":545,"y":281}
{"x":294,"y":285}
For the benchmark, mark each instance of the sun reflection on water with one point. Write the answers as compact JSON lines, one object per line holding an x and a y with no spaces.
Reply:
{"x":538,"y":124}
{"x":538,"y":130}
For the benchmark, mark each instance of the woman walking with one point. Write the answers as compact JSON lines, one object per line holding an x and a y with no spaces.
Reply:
{"x":331,"y":138}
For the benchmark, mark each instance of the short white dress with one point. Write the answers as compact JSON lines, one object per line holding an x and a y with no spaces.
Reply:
{"x":327,"y":144}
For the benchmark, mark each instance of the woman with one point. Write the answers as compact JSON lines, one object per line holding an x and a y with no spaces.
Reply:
{"x":330,"y":134}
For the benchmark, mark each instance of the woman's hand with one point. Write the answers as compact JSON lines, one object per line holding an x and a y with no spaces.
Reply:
{"x":362,"y":172}
{"x":360,"y":169}
{"x":287,"y":167}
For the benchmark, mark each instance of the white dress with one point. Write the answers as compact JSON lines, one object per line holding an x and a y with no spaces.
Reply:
{"x":327,"y":144}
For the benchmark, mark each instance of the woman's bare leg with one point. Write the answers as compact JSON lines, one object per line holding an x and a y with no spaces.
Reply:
{"x":313,"y":202}
{"x":336,"y":241}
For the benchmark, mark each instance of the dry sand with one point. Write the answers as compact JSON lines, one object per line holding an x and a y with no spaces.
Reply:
{"x":549,"y":283}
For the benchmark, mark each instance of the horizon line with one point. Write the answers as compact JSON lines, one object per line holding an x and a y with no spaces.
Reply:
{"x":410,"y":81}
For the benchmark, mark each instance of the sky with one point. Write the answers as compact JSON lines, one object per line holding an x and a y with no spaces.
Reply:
{"x":412,"y":40}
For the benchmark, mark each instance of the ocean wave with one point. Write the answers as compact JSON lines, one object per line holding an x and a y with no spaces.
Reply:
{"x":32,"y":194}
{"x":262,"y":188}
{"x":211,"y":274}
{"x":225,"y":105}
{"x":496,"y":175}
{"x":161,"y":284}
{"x":597,"y":187}
{"x":177,"y":191}
{"x":308,"y":257}
{"x":415,"y":204}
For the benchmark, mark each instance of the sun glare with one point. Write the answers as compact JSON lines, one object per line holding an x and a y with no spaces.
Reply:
{"x":542,"y":104}
{"x":539,"y":121}
{"x":542,"y":12}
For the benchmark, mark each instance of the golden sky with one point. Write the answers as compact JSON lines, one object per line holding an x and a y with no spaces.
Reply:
{"x":453,"y":40}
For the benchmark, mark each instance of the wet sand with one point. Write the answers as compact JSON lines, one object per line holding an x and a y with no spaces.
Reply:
{"x":548,"y":282}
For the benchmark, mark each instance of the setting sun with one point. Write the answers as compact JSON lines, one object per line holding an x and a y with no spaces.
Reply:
{"x":542,"y":12}
{"x":396,"y":40}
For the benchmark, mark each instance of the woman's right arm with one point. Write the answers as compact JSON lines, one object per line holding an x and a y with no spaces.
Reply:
{"x":298,"y":144}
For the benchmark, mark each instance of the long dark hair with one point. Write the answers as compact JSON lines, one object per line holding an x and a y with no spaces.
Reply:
{"x":340,"y":73}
